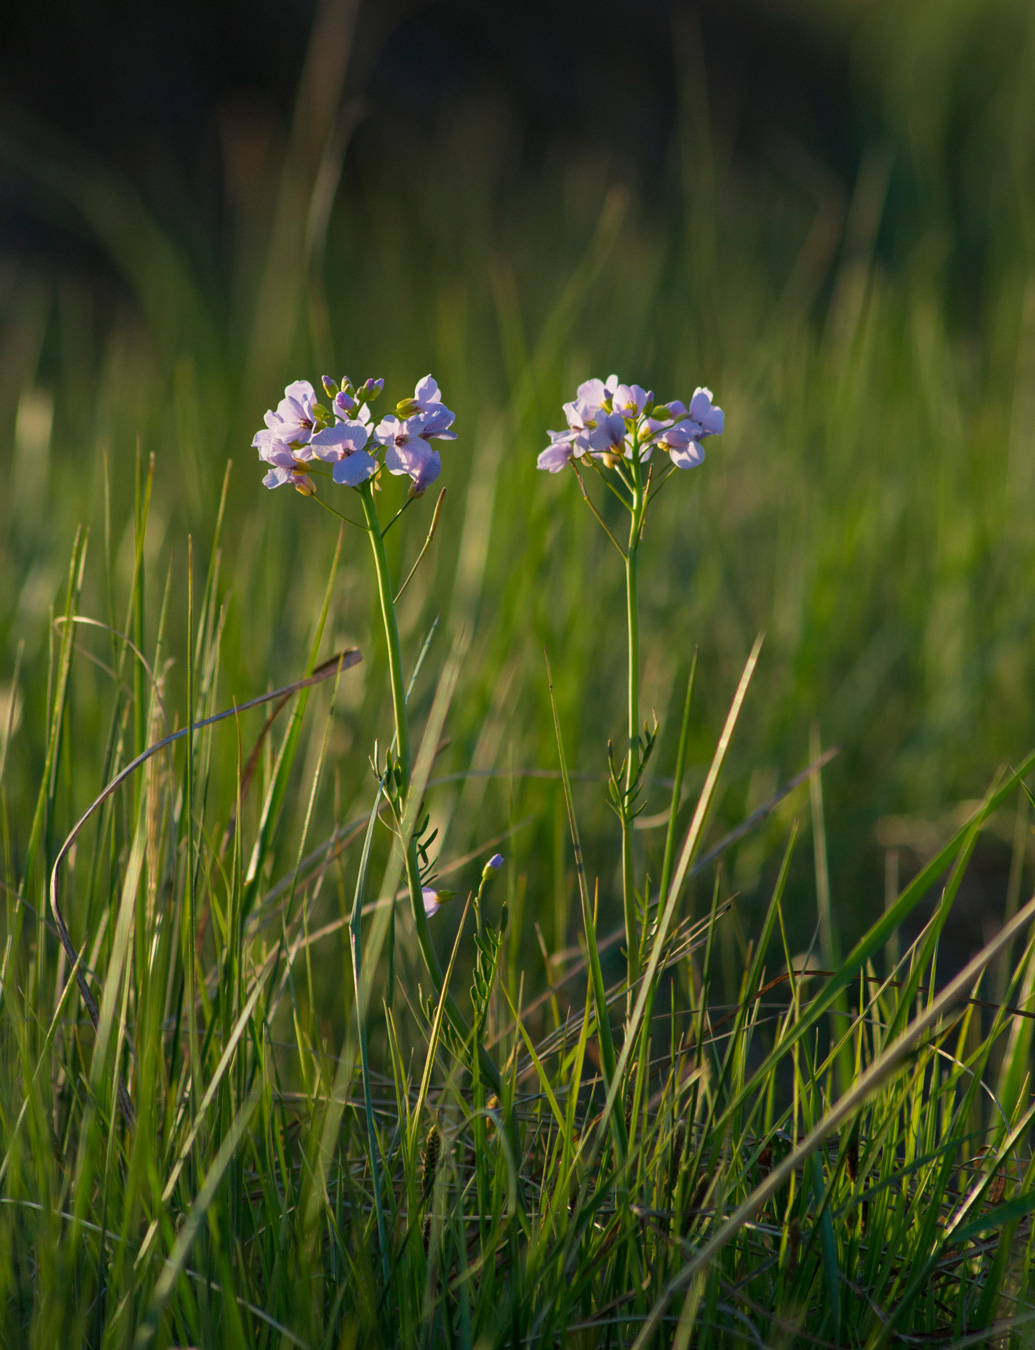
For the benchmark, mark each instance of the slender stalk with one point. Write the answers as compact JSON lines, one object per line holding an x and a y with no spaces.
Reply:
{"x":632,"y":763}
{"x":384,"y":591}
{"x":427,"y":544}
{"x":402,"y":731}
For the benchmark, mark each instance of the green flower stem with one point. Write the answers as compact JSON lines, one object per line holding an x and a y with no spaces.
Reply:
{"x":402,"y":733}
{"x":384,"y":590}
{"x":637,"y":510}
{"x":632,"y":937}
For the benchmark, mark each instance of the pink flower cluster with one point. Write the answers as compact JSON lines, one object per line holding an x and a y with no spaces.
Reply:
{"x":301,"y":430}
{"x":609,"y":420}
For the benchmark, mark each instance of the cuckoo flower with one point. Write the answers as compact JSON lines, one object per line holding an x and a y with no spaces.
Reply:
{"x":679,"y":430}
{"x":559,"y":452}
{"x":682,"y":443}
{"x":293,"y":420}
{"x":298,"y":434}
{"x":587,"y":433}
{"x":708,"y":417}
{"x":613,"y":428}
{"x":598,"y":393}
{"x":427,"y":399}
{"x":585,"y":419}
{"x":408,"y":452}
{"x":287,"y":469}
{"x":610,"y":439}
{"x":630,"y":401}
{"x":342,"y":445}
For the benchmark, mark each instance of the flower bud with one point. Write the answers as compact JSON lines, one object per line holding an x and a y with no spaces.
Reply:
{"x":370,"y":390}
{"x":610,"y":460}
{"x":304,"y":484}
{"x":330,"y":388}
{"x":406,"y":408}
{"x":493,"y":865}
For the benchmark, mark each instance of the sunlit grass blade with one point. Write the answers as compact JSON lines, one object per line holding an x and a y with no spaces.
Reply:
{"x":177,"y":1258}
{"x":668,"y":858}
{"x":607,"y":1050}
{"x":843,"y":1110}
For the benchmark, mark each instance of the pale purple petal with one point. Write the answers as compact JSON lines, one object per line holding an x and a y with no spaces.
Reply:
{"x":428,"y":470}
{"x":410,"y":458}
{"x":630,"y":400}
{"x":688,"y":456}
{"x":266,"y":441}
{"x":281,"y":456}
{"x":436,"y":422}
{"x":426,"y":392}
{"x":609,"y":436}
{"x":354,"y":469}
{"x":703,"y":411}
{"x":389,"y":429}
{"x":556,"y":457}
{"x":341,"y":439}
{"x":592,"y":393}
{"x":431,"y":904}
{"x":583,"y":416}
{"x":276,"y":477}
{"x":301,"y":390}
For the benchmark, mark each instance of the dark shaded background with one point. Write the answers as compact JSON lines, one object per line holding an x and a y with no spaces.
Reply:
{"x":154,"y":89}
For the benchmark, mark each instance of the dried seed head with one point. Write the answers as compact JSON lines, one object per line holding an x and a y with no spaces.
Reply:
{"x":432,"y":1153}
{"x":426,"y":1233}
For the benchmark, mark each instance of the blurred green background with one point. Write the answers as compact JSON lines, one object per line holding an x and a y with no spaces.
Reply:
{"x":823,"y":211}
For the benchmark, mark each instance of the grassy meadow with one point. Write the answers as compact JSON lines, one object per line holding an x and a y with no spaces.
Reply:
{"x":262,"y":1137}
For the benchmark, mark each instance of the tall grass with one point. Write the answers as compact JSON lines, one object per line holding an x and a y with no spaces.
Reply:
{"x":217,"y":1156}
